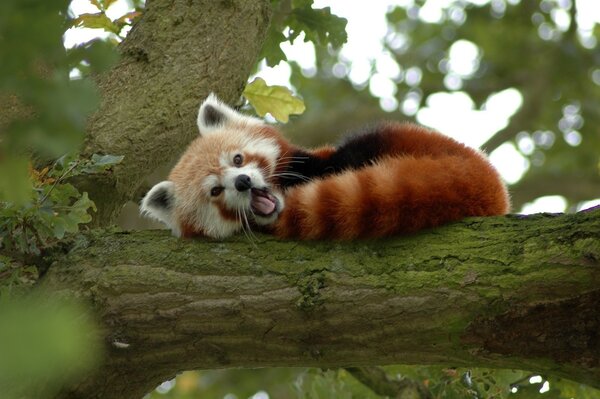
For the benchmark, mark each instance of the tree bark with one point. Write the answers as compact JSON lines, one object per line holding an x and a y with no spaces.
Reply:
{"x":502,"y":292}
{"x":179,"y":52}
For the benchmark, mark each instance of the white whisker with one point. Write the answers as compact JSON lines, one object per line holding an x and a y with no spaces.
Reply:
{"x":292,"y":175}
{"x":250,"y":232}
{"x":245,"y":225}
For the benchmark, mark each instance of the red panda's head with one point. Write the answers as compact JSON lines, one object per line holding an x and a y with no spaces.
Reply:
{"x":223,"y":181}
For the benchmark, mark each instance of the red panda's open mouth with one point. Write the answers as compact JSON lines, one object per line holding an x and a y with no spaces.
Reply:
{"x":262,"y":202}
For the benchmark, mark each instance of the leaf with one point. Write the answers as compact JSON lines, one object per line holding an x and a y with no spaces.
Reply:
{"x":278,"y":101}
{"x":100,"y":163}
{"x":319,"y":26}
{"x":108,"y":3}
{"x":80,"y":207}
{"x":96,"y":21}
{"x":129,"y":16}
{"x":96,"y":56}
{"x":271,"y":49}
{"x":59,"y":229}
{"x":106,"y":160}
{"x":62,"y":193}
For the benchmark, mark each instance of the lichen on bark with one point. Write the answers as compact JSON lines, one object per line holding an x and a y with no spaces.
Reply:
{"x":474,"y":293}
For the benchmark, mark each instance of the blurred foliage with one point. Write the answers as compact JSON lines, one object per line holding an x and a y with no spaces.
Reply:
{"x":45,"y":342}
{"x":280,"y":383}
{"x":44,"y":111}
{"x":284,"y":383}
{"x":536,"y":47}
{"x":44,"y":117}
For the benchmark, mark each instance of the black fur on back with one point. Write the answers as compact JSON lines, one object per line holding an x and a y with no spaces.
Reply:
{"x":355,"y":151}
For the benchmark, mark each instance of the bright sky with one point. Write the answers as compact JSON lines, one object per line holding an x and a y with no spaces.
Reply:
{"x":451,"y":113}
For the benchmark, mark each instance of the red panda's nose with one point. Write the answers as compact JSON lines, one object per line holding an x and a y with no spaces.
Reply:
{"x":243,"y":183}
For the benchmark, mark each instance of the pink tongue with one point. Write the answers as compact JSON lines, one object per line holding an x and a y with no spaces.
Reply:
{"x":263,"y":205}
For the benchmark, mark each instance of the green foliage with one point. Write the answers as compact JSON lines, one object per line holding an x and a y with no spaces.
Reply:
{"x":279,"y":383}
{"x":479,"y":383}
{"x":320,"y":26}
{"x":292,"y":18}
{"x":44,"y":111}
{"x":45,"y":342}
{"x":271,"y":51}
{"x":44,"y":117}
{"x":55,"y":208}
{"x":519,"y":46}
{"x":15,"y":278}
{"x":100,"y":20}
{"x":324,"y":384}
{"x":14,"y":182}
{"x":443,"y":383}
{"x":279,"y":101}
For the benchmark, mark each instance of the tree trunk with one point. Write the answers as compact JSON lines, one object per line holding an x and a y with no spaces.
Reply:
{"x":505,"y":292}
{"x":179,"y":52}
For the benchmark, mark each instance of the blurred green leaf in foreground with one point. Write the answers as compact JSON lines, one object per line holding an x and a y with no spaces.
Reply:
{"x":45,"y":342}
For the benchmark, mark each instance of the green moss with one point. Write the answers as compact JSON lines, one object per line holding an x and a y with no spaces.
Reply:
{"x":310,"y":289}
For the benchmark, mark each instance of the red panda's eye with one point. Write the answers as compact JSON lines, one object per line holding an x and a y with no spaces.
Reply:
{"x":216,"y":191}
{"x":238,"y":159}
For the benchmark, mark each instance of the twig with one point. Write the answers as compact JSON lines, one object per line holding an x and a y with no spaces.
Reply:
{"x":60,"y":179}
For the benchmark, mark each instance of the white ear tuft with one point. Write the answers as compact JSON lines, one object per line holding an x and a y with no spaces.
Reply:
{"x":158,"y":204}
{"x":214,"y":115}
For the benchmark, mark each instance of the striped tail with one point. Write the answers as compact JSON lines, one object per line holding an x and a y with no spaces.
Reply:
{"x":395,"y":195}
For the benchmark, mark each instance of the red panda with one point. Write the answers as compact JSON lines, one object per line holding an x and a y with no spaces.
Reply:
{"x":393,"y":178}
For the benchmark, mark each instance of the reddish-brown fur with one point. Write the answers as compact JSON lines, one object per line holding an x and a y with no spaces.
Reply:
{"x":423,"y":180}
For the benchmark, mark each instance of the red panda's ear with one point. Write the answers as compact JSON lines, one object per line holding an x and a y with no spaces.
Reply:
{"x":213,"y":115}
{"x":158,"y":203}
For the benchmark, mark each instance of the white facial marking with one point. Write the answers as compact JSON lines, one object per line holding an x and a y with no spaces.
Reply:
{"x":266,"y":148}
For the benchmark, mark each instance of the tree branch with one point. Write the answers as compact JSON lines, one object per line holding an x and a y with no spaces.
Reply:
{"x":504,"y":292}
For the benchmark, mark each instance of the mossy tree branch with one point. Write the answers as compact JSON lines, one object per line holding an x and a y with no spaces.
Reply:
{"x":505,"y":292}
